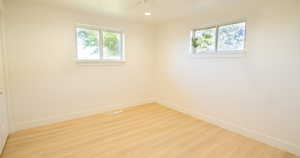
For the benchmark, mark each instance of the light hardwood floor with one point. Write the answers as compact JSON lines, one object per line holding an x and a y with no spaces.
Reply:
{"x":146,"y":131}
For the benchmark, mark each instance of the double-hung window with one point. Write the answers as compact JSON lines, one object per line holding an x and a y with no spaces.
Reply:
{"x":95,"y":44}
{"x":219,"y":39}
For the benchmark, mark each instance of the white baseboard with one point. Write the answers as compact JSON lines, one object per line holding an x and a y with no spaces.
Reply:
{"x":101,"y":109}
{"x":259,"y":136}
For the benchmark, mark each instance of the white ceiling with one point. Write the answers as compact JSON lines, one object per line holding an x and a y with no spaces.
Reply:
{"x":161,"y":9}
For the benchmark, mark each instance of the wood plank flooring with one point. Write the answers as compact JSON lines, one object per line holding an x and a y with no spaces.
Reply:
{"x":146,"y":131}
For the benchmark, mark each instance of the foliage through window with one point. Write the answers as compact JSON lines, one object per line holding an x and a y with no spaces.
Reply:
{"x":88,"y":44}
{"x":111,"y":45}
{"x":99,"y":45}
{"x":231,"y":37}
{"x":204,"y":40}
{"x":221,"y":38}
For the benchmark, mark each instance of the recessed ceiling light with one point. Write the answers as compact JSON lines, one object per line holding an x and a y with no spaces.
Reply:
{"x":147,"y":13}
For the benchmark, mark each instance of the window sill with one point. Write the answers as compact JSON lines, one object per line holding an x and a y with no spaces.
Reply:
{"x":229,"y":54}
{"x":101,"y":62}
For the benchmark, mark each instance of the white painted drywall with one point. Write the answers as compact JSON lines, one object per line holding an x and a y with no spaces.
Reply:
{"x":3,"y":104}
{"x":256,"y":95}
{"x":46,"y":84}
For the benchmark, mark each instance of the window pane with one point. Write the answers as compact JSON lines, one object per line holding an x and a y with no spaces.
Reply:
{"x":112,"y":46}
{"x":204,"y":40}
{"x":231,"y":37}
{"x":87,"y":44}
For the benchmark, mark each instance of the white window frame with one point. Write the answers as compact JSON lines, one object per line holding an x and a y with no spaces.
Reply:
{"x":217,"y":52}
{"x":100,"y":44}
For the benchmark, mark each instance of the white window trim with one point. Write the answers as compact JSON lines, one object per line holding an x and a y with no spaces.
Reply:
{"x":217,"y":53}
{"x":101,"y":61}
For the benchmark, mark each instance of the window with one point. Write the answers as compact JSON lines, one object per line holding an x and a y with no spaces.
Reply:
{"x":220,"y":38}
{"x":112,"y":45}
{"x":88,"y":44}
{"x":205,"y":40}
{"x":99,"y":45}
{"x":231,"y":37}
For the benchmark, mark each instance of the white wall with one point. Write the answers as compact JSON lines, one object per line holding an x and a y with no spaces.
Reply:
{"x":45,"y":82}
{"x":257,"y":95}
{"x":3,"y":105}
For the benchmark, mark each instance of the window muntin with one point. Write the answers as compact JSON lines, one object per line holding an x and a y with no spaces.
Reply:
{"x":99,"y":45}
{"x":219,"y":38}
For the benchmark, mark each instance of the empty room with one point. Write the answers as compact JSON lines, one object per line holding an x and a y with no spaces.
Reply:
{"x":149,"y":79}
